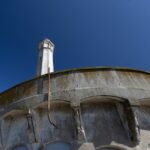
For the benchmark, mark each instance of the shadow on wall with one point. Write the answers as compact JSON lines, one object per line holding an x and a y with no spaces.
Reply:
{"x":61,"y":116}
{"x":20,"y":148}
{"x":106,"y":121}
{"x":58,"y":146}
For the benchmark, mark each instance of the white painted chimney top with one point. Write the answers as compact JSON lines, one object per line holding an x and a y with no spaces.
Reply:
{"x":45,"y":57}
{"x":46,"y":44}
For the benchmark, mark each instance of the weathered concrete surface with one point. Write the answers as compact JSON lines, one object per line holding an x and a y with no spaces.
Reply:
{"x":102,"y":106}
{"x":87,"y":146}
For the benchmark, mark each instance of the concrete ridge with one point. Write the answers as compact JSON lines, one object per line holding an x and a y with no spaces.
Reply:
{"x":84,"y":69}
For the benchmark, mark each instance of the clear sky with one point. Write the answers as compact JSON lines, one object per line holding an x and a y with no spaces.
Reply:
{"x":86,"y":33}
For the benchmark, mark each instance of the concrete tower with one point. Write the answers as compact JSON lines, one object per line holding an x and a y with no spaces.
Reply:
{"x":45,"y":57}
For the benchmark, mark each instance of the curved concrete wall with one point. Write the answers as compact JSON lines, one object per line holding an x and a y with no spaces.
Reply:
{"x":107,"y":107}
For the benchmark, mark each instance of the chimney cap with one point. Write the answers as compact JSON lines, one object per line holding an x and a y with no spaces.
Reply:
{"x":46,"y":44}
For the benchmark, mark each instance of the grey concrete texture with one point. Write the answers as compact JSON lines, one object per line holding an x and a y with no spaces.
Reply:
{"x":87,"y":146}
{"x":107,"y":107}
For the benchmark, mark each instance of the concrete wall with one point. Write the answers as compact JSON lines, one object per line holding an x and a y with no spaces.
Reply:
{"x":106,"y":107}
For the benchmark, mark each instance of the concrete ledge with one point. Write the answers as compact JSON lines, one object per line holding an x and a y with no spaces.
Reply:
{"x":87,"y":146}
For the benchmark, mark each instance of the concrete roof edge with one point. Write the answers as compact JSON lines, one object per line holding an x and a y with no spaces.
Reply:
{"x":103,"y":68}
{"x":67,"y":71}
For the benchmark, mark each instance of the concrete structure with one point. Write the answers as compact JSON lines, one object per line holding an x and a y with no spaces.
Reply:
{"x":45,"y":58}
{"x":93,"y":108}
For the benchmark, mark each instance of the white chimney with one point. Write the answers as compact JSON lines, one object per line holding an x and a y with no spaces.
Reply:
{"x":45,"y":58}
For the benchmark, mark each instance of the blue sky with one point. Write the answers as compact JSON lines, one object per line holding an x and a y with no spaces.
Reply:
{"x":86,"y":33}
